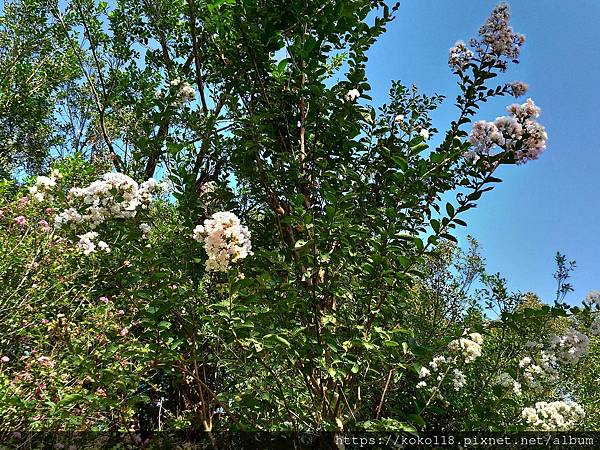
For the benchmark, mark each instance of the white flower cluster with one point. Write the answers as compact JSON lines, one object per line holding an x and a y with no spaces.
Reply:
{"x":535,"y":373}
{"x":436,"y":365}
{"x":595,"y":327}
{"x":437,"y":362}
{"x":185,"y":92}
{"x":498,"y":37}
{"x":44,"y":185}
{"x":570,"y":347}
{"x":225,"y":239}
{"x":566,"y":349}
{"x":553,"y":416}
{"x":459,"y":56}
{"x":505,"y":380}
{"x":115,"y":196}
{"x":68,"y":216}
{"x":458,"y":380}
{"x":145,"y":229}
{"x":518,"y":133}
{"x":352,"y":95}
{"x":470,"y":346}
{"x":87,"y":245}
{"x":593,"y":299}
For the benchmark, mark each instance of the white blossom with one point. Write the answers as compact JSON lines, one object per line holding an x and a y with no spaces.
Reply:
{"x":104,"y":246}
{"x":436,"y":362}
{"x":225,"y":239}
{"x":505,"y":380}
{"x":184,"y":92}
{"x":114,"y":196}
{"x":86,"y":244}
{"x":553,"y":416}
{"x":484,"y":136}
{"x":352,"y":95}
{"x":43,"y":186}
{"x":525,"y":362}
{"x":592,"y":299}
{"x":570,"y":347}
{"x":497,"y":37}
{"x":469,"y":346}
{"x":458,"y":380}
{"x":459,"y":56}
{"x":145,"y":229}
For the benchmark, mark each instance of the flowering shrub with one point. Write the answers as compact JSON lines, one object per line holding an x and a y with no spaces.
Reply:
{"x":301,"y":271}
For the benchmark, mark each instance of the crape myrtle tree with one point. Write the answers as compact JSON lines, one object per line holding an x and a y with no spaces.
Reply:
{"x":278,"y":285}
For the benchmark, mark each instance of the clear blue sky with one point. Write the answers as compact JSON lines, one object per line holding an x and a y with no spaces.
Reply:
{"x":545,"y":205}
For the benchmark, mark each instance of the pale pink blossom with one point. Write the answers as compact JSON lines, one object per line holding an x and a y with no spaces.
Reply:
{"x":518,"y":88}
{"x":46,"y":361}
{"x":225,"y":239}
{"x":518,"y":134}
{"x":22,"y":202}
{"x":484,"y":136}
{"x":497,"y":38}
{"x":21,"y":221}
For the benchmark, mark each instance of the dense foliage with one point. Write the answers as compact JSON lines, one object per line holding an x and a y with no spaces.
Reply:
{"x":294,"y":268}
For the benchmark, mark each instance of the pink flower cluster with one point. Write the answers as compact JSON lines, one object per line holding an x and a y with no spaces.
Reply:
{"x":498,"y":38}
{"x":484,"y":136}
{"x":225,"y":240}
{"x":518,"y":88}
{"x":21,"y":221}
{"x":519,"y":134}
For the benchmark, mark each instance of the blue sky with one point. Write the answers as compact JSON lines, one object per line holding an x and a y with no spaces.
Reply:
{"x":544,"y":206}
